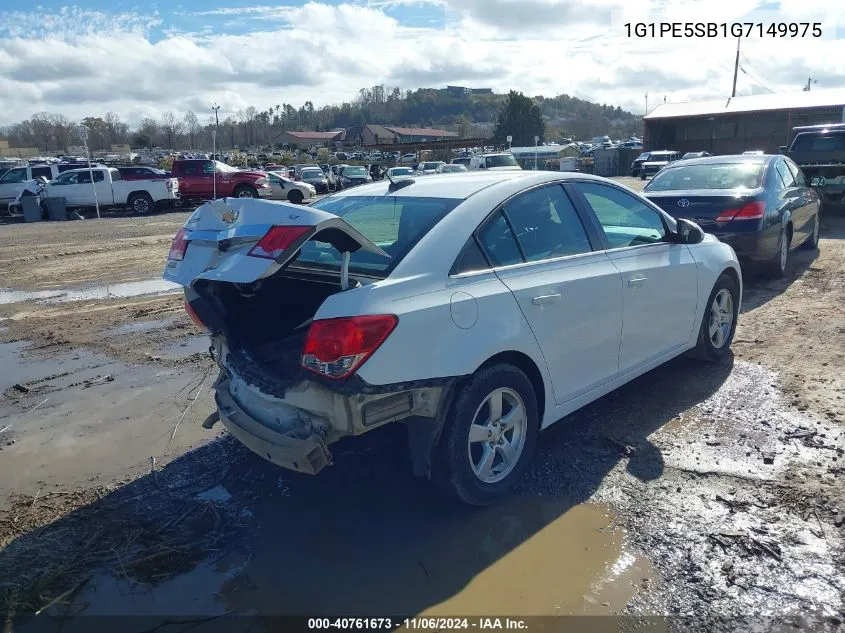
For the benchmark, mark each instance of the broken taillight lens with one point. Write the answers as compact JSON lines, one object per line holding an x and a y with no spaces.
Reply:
{"x":751,"y":211}
{"x":336,"y":348}
{"x":277,"y":240}
{"x":178,"y":246}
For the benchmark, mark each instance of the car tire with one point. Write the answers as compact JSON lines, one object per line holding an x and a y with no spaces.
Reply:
{"x":778,"y":264}
{"x":474,"y":469}
{"x":812,"y":242}
{"x":246,"y":191}
{"x":716,"y":332}
{"x":642,"y":176}
{"x":296,"y":196}
{"x":141,"y":203}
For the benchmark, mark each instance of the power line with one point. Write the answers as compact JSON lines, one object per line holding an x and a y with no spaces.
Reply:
{"x":755,"y":80}
{"x":756,"y":70}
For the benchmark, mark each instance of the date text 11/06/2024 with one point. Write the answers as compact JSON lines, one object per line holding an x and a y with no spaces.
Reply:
{"x":723,"y":29}
{"x":422,"y":623}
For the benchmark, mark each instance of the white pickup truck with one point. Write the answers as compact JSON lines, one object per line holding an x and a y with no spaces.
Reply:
{"x":142,"y":196}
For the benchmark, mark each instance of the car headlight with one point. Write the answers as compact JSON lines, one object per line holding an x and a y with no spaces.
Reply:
{"x":262,"y":181}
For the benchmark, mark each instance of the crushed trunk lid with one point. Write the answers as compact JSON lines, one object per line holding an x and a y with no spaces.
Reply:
{"x":220,"y":235}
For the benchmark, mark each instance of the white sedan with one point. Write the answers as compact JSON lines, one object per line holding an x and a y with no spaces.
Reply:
{"x":476,"y":308}
{"x":291,"y":190}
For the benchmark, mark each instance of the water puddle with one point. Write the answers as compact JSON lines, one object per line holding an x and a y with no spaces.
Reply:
{"x":142,"y":326}
{"x":111,"y":291}
{"x":15,"y":369}
{"x":196,"y":344}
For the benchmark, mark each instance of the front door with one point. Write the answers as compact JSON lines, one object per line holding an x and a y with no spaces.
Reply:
{"x":569,"y":294}
{"x":659,"y":278}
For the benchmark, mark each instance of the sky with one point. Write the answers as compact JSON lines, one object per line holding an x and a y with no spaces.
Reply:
{"x":141,"y":60}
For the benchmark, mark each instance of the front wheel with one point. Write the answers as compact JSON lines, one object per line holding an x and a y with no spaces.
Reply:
{"x":141,"y":203}
{"x":295,"y":196}
{"x":719,"y":322}
{"x":489,"y":435}
{"x":246,"y":191}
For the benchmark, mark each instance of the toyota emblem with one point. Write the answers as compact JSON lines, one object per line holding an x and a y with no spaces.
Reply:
{"x":683,"y":203}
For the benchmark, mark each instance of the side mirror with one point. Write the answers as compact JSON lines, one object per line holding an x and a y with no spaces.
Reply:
{"x":818,"y":181}
{"x":689,"y":232}
{"x":782,"y":149}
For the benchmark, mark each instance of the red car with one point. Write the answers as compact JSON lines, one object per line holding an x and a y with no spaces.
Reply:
{"x":197,"y":180}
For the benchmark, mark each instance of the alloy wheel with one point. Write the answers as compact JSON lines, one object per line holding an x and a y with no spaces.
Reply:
{"x":497,"y":435}
{"x":721,"y":318}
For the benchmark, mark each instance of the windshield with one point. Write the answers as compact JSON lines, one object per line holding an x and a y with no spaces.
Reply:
{"x":643,"y":156}
{"x":277,"y":175}
{"x":657,"y":157}
{"x":502,"y":160}
{"x":312,"y":173}
{"x":448,"y":168}
{"x":223,"y":167}
{"x":430,"y":165}
{"x":709,"y":176}
{"x":355,"y":172}
{"x":401,"y":171}
{"x":396,"y":224}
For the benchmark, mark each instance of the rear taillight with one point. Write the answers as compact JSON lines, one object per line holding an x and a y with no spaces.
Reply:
{"x":751,"y":211}
{"x":277,"y":240}
{"x":336,"y":348}
{"x":194,"y":316}
{"x":178,"y":247}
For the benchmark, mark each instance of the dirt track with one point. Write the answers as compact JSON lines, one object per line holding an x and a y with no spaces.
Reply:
{"x":714,"y":491}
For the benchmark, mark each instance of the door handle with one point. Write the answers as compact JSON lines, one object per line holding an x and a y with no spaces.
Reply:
{"x":636,"y":282}
{"x":545,"y":299}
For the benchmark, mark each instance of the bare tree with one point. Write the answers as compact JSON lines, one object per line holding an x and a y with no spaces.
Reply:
{"x":192,"y":128}
{"x":171,"y":127}
{"x":117,"y":130}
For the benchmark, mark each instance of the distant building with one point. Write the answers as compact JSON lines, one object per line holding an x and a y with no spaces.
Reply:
{"x":461,"y":91}
{"x":304,"y":140}
{"x":386,"y":135}
{"x":733,"y":125}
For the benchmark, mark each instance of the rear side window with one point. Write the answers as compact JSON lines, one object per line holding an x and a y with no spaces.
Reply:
{"x":819,"y":142}
{"x":394,"y":223}
{"x":797,"y":174}
{"x":547,"y":224}
{"x":785,"y":175}
{"x":43,"y":172}
{"x":189,"y":169}
{"x":499,"y":242}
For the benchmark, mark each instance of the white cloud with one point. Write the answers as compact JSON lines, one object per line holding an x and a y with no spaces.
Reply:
{"x":79,"y":62}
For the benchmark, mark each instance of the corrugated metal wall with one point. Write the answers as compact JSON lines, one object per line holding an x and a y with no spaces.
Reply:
{"x":609,"y":162}
{"x":736,"y":133}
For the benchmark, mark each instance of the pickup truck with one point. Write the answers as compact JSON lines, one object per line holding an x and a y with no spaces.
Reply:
{"x":142,"y":196}
{"x":819,"y":150}
{"x":196,"y":180}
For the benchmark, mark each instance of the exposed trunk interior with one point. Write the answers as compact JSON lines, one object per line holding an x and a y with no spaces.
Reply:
{"x":267,"y":321}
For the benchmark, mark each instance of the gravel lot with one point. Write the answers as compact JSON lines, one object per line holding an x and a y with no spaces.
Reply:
{"x":710,"y":491}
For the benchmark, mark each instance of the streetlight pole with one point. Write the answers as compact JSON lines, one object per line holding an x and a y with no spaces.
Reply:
{"x":83,"y":134}
{"x":510,"y":140}
{"x":216,"y":120}
{"x":536,"y":140}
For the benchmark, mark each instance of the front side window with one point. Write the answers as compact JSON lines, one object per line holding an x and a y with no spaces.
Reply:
{"x":626,"y":220}
{"x":67,"y":179}
{"x":99,"y":176}
{"x":14,"y":176}
{"x":547,"y":224}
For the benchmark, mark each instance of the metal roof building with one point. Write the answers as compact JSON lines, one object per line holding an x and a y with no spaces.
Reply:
{"x":733,"y":125}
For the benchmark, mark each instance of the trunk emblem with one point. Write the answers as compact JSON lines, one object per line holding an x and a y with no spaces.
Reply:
{"x":683,"y":203}
{"x":229,"y":216}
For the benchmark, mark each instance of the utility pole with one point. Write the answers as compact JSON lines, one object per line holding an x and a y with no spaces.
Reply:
{"x":216,"y":120}
{"x":736,"y":66}
{"x":810,"y":81}
{"x":646,"y":103}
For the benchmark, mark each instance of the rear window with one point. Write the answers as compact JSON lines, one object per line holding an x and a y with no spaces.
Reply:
{"x":503,"y":160}
{"x":819,"y":143}
{"x":709,"y":176}
{"x":395,"y":224}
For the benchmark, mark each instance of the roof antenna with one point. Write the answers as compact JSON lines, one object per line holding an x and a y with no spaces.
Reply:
{"x":395,"y":185}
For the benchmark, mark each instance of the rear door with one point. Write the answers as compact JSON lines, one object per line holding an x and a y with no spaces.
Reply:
{"x":220,"y":238}
{"x":570,"y":295}
{"x":806,"y":200}
{"x":69,"y":186}
{"x":659,"y":278}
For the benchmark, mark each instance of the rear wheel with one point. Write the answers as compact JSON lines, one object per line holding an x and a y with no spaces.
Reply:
{"x":489,"y":436}
{"x":812,"y":242}
{"x":719,"y":322}
{"x":141,"y":203}
{"x":296,"y":196}
{"x":246,"y":191}
{"x":777,"y":266}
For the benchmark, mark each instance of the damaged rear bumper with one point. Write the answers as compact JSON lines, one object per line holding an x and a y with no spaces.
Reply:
{"x":293,"y":426}
{"x":308,"y":455}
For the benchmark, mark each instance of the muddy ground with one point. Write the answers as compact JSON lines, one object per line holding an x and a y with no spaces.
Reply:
{"x":711,"y":494}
